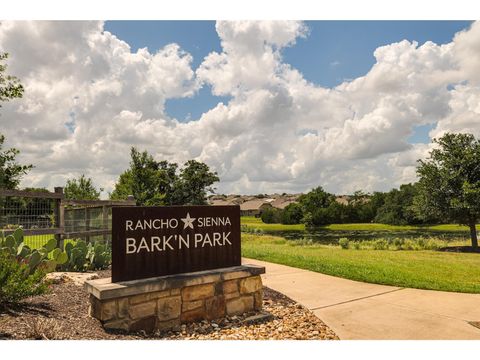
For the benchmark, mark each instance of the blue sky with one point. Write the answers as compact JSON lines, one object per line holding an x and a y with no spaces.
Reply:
{"x":281,"y":134}
{"x":333,"y":51}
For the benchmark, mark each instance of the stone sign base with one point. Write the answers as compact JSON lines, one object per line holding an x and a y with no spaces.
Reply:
{"x":168,"y":301}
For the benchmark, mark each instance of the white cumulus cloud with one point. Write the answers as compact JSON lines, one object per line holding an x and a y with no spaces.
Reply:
{"x":88,"y":98}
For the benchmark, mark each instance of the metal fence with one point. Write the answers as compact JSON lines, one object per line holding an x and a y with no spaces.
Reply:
{"x":44,"y":215}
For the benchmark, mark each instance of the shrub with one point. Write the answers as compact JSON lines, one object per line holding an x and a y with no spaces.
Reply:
{"x":344,"y":243}
{"x":271,"y":216}
{"x":398,"y":243}
{"x":304,"y":241}
{"x":292,"y":214}
{"x":357,"y":245}
{"x":380,"y":244}
{"x":44,"y":329}
{"x":408,"y":245}
{"x":46,"y":258}
{"x":16,"y":282}
{"x":431,"y":244}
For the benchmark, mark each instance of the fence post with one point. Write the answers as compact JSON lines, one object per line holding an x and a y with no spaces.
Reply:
{"x":60,"y":218}
{"x":87,"y":223}
{"x":105,"y":222}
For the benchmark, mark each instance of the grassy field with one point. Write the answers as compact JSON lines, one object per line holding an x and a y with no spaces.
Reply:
{"x":37,"y":241}
{"x":257,"y":223}
{"x":417,"y":269}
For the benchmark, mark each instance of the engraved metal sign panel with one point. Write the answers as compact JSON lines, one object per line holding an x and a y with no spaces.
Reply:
{"x":165,"y":240}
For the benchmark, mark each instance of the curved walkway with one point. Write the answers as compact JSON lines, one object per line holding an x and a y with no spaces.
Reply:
{"x":357,"y":310}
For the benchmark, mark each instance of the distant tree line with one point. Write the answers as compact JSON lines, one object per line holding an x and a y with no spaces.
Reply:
{"x":152,"y":182}
{"x":448,"y":190}
{"x":318,"y":207}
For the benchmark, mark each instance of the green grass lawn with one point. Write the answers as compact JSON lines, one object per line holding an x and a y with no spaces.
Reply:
{"x":416,"y":269}
{"x":257,"y":223}
{"x":37,"y":241}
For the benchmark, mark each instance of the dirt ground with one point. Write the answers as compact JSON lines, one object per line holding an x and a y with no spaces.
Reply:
{"x":63,"y":314}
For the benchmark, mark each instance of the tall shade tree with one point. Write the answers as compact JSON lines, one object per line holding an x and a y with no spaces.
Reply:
{"x":10,"y":87}
{"x":193,"y":183}
{"x":10,"y":171}
{"x":154,"y":182}
{"x":123,"y":187}
{"x":449,"y":185}
{"x":81,"y":189}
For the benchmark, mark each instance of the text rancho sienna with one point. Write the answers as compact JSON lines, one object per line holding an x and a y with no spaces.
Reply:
{"x":189,"y":239}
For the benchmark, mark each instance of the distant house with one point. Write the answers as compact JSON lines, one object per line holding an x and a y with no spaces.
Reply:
{"x":281,"y":203}
{"x":343,"y":199}
{"x":254,"y":207}
{"x":217,"y":202}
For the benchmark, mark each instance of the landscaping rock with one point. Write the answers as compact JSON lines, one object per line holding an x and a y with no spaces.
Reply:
{"x":78,"y":278}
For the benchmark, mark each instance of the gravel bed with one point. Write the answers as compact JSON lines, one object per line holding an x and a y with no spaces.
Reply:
{"x":63,"y":314}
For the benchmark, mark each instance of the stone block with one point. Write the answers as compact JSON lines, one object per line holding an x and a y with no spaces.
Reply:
{"x":142,"y":310}
{"x":95,"y":309}
{"x":109,"y":310}
{"x":174,"y":292}
{"x":240,"y":305}
{"x":205,"y":279}
{"x":235,"y":275}
{"x":122,"y":304}
{"x":167,"y":325}
{"x":138,"y":299}
{"x":121,"y":324}
{"x":190,"y":305}
{"x":159,"y":294}
{"x":193,"y":315}
{"x":250,"y":285}
{"x":104,"y":289}
{"x":215,"y":307}
{"x":198,"y":292}
{"x":168,"y":308}
{"x":230,"y":286}
{"x":146,"y":324}
{"x":258,"y":299}
{"x":233,"y":295}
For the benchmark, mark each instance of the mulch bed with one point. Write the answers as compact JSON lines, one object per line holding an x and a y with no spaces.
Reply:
{"x":63,"y":314}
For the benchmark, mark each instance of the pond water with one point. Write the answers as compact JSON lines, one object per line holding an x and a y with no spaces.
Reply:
{"x":324,"y":236}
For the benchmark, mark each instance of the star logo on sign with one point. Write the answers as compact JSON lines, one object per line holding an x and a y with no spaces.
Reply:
{"x":187,"y":221}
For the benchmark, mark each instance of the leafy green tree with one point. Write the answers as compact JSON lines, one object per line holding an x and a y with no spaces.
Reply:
{"x":10,"y":87}
{"x":81,"y":189}
{"x":193,"y":183}
{"x":449,"y":185}
{"x":154,"y":182}
{"x":271,"y":216}
{"x":397,"y":208}
{"x":292,"y":214}
{"x":315,"y":199}
{"x":123,"y":187}
{"x":10,"y":171}
{"x":145,"y":178}
{"x":367,"y":210}
{"x":314,"y":206}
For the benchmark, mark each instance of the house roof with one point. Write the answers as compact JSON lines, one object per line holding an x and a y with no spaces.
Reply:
{"x":217,"y":202}
{"x":282,"y":203}
{"x":254,"y":204}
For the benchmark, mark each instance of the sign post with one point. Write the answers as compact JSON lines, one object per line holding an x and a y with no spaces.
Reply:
{"x":156,"y":241}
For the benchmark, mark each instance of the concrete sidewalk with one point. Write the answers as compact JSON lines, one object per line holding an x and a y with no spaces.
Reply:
{"x":356,"y":310}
